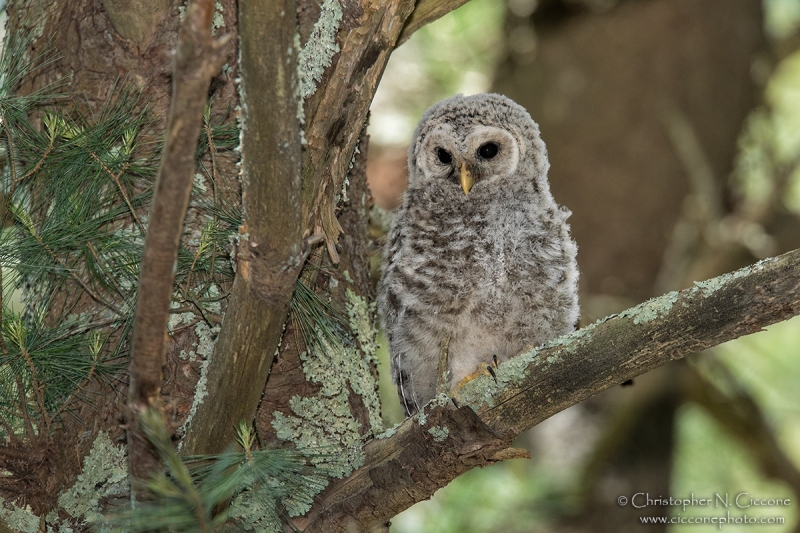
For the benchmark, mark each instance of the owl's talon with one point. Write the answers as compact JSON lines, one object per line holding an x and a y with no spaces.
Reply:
{"x":455,"y":402}
{"x":495,"y":362}
{"x":484,"y":369}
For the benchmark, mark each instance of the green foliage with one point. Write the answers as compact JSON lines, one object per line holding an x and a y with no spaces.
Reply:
{"x":318,"y":321}
{"x":768,"y":163}
{"x":75,"y":194}
{"x":254,"y":487}
{"x":42,"y":366}
{"x":710,"y":465}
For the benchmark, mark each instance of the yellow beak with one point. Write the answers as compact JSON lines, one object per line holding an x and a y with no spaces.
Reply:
{"x":467,"y":181}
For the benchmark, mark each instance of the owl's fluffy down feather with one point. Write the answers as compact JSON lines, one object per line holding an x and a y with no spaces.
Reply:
{"x":494,"y":270}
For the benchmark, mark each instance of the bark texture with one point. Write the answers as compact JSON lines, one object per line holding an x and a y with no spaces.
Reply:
{"x":94,"y":61}
{"x":420,"y":456}
{"x":337,"y":110}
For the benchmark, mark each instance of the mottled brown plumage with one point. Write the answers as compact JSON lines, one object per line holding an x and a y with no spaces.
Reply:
{"x":478,"y":252}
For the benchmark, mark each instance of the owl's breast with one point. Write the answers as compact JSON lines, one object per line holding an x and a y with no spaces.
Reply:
{"x":481,"y":257}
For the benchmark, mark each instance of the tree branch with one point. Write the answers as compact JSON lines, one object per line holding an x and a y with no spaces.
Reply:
{"x":425,"y":12}
{"x":425,"y":453}
{"x":336,"y":111}
{"x":198,"y":58}
{"x":271,"y":248}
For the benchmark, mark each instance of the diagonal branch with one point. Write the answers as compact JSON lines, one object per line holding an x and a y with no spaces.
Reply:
{"x":271,"y":248}
{"x":425,"y":12}
{"x":424,"y":454}
{"x":198,"y":58}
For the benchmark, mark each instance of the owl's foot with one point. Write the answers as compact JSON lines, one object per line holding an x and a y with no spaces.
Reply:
{"x":484,"y":369}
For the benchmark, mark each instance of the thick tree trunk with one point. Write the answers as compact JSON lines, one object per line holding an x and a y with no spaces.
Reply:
{"x":95,"y":43}
{"x":96,"y":50}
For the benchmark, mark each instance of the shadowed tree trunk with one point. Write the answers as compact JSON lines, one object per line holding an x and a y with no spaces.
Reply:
{"x":97,"y":50}
{"x":93,"y":49}
{"x":607,"y":90}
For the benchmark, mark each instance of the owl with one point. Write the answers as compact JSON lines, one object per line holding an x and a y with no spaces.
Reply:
{"x":479,"y":255}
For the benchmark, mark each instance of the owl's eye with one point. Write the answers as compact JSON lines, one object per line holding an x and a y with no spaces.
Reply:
{"x":488,"y":150}
{"x":444,"y":156}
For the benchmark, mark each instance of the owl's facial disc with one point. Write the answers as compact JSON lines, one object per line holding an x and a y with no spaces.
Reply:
{"x":492,"y":153}
{"x":437,"y":156}
{"x":485,"y":153}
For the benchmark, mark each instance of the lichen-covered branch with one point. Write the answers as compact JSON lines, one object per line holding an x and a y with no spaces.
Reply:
{"x":271,"y":250}
{"x":426,"y":452}
{"x":197,"y":59}
{"x":336,"y":109}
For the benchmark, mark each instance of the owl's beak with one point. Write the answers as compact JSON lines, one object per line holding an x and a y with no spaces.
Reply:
{"x":467,"y":181}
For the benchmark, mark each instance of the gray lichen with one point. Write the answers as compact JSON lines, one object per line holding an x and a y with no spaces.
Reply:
{"x":347,"y":277}
{"x":388,"y":432}
{"x":206,"y":337}
{"x":251,"y":515}
{"x":652,"y":309}
{"x":104,"y":474}
{"x":324,"y":423}
{"x":18,"y":519}
{"x":482,"y":390}
{"x":439,"y":433}
{"x":339,"y":365}
{"x":218,"y":21}
{"x":709,"y":287}
{"x":200,"y":183}
{"x":177,"y":319}
{"x":320,"y":48}
{"x":362,"y":324}
{"x":324,"y":420}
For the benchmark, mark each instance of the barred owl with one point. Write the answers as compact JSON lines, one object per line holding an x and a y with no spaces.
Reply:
{"x":478,"y":253}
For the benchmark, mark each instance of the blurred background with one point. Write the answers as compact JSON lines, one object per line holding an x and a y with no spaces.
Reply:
{"x":673,"y":130}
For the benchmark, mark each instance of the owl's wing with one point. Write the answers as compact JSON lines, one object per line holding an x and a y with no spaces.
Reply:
{"x":391,"y":311}
{"x":388,"y":302}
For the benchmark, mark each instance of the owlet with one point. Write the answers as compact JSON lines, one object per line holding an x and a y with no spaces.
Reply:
{"x":479,"y":253}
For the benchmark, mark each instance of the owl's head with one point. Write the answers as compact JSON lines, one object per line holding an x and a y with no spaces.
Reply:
{"x":478,"y":141}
